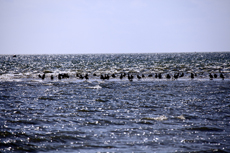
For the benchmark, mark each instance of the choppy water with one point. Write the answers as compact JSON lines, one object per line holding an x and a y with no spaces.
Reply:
{"x":115,"y":115}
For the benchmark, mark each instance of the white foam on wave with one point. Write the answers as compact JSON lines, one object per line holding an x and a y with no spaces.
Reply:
{"x":95,"y":87}
{"x":7,"y":77}
{"x":181,"y":117}
{"x":160,"y":118}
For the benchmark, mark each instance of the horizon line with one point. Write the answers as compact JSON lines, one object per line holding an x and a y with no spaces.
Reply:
{"x":165,"y":52}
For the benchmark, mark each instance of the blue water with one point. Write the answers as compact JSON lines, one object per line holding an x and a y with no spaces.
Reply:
{"x":115,"y":115}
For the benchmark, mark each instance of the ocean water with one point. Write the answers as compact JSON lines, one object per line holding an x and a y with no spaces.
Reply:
{"x":150,"y":114}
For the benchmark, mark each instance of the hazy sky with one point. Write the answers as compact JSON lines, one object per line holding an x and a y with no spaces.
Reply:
{"x":113,"y":26}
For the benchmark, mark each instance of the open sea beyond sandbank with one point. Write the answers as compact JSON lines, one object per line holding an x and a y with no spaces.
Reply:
{"x":171,"y":102}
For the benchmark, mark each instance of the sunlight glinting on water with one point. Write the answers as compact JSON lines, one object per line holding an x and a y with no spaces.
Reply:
{"x":110,"y":111}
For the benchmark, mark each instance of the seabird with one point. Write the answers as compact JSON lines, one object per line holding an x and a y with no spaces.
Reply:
{"x":59,"y":76}
{"x":182,"y":74}
{"x":43,"y":76}
{"x":86,"y":76}
{"x":168,"y":76}
{"x":192,"y":76}
{"x":65,"y":75}
{"x":222,"y":76}
{"x":107,"y":76}
{"x":159,"y":76}
{"x":138,"y":77}
{"x":121,"y":76}
{"x":130,"y":77}
{"x":81,"y":77}
{"x":210,"y":76}
{"x":102,"y":77}
{"x":176,"y":75}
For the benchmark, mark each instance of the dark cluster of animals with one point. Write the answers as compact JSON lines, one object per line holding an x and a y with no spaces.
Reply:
{"x":130,"y":76}
{"x":60,"y":76}
{"x":215,"y":76}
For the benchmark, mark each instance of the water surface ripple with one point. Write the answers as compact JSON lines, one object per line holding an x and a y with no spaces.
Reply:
{"x":95,"y":115}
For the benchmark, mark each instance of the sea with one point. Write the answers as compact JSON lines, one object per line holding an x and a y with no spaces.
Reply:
{"x":159,"y":102}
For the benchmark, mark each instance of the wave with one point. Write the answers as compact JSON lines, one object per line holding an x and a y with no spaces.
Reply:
{"x":95,"y":87}
{"x":159,"y":118}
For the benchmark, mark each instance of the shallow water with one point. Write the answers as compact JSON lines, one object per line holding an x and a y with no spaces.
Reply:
{"x":94,"y":115}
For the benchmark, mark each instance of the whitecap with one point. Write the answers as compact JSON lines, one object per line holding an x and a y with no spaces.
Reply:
{"x":181,"y":117}
{"x":160,"y":118}
{"x":95,"y":87}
